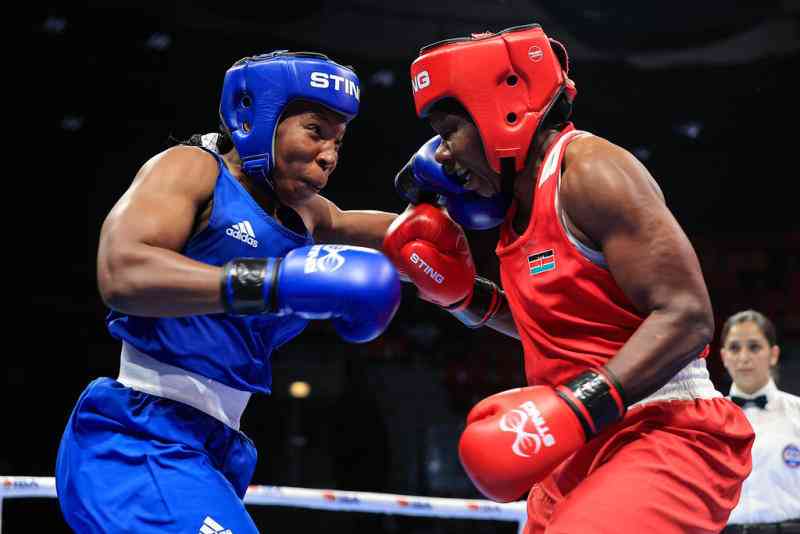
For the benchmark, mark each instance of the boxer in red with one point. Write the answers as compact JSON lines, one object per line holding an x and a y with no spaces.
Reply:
{"x":620,"y":429}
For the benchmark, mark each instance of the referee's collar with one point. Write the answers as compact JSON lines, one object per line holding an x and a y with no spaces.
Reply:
{"x":769,"y":389}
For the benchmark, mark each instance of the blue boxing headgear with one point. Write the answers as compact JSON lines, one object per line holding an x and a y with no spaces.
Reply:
{"x":257,"y":89}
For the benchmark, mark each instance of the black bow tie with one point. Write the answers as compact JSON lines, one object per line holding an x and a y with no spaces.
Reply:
{"x":760,"y":401}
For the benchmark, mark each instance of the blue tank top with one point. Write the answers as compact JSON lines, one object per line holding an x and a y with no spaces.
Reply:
{"x":232,"y":350}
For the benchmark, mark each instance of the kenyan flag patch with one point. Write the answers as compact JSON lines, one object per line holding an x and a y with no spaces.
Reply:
{"x":542,"y":262}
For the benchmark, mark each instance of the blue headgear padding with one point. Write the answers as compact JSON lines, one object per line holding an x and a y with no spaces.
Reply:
{"x":257,"y":89}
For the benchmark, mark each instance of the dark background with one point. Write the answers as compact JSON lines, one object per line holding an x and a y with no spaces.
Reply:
{"x":702,"y":92}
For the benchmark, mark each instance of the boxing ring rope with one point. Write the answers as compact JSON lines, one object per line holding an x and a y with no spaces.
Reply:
{"x":320,"y":499}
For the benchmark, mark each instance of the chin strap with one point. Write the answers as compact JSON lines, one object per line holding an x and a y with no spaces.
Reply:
{"x":508,"y":173}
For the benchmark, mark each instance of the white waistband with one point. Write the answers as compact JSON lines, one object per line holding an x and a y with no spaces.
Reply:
{"x":690,"y":383}
{"x":143,"y":373}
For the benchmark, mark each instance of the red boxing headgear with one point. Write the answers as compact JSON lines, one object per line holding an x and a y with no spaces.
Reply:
{"x":507,"y":81}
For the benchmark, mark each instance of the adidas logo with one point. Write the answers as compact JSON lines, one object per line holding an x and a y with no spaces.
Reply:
{"x":212,"y":527}
{"x":243,"y":232}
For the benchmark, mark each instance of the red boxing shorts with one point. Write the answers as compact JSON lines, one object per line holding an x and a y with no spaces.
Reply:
{"x":670,"y":467}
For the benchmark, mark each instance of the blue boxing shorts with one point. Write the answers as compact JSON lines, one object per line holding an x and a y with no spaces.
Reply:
{"x":134,"y":462}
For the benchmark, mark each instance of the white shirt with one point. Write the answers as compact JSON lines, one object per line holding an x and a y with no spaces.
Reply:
{"x":771,"y":493}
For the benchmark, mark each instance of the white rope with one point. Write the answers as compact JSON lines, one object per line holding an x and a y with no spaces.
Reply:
{"x":322,"y":499}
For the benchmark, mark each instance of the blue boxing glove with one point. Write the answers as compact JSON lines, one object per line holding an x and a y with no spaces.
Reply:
{"x":424,"y":180}
{"x":475,"y":212}
{"x":357,"y":288}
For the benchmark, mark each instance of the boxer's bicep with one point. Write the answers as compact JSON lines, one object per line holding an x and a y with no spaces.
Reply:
{"x":612,"y":199}
{"x":160,"y":206}
{"x":151,"y":222}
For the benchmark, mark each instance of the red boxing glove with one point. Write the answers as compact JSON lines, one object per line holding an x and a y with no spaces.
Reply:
{"x":431,"y":250}
{"x":515,"y":438}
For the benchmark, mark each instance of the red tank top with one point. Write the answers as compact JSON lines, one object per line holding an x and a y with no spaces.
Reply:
{"x":569,"y":311}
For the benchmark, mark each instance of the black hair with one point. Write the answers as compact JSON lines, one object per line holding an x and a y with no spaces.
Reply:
{"x":764,"y":324}
{"x":224,"y":142}
{"x":558,"y":114}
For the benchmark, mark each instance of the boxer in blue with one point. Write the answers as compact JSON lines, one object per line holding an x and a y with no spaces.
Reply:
{"x":208,"y":264}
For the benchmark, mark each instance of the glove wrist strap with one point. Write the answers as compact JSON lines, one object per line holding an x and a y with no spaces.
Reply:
{"x":596,"y":398}
{"x":480,"y":306}
{"x":247,"y":285}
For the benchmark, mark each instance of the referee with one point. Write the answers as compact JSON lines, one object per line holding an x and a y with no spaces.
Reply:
{"x":770,"y":499}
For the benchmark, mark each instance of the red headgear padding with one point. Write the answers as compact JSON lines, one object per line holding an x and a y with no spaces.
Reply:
{"x":507,"y":81}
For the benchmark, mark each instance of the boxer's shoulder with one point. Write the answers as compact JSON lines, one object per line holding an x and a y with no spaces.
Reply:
{"x":180,"y":168}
